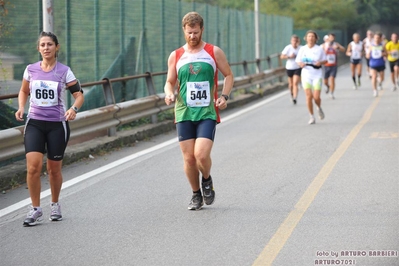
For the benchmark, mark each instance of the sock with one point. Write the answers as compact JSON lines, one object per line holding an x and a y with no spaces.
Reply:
{"x":207,"y":179}
{"x":37,"y":208}
{"x":354,"y":79}
{"x":197,"y":192}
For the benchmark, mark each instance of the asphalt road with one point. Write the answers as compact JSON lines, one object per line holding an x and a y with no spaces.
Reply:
{"x":287,"y":193}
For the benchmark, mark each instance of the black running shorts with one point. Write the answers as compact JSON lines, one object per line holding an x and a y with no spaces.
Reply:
{"x":330,"y":71}
{"x":196,"y":129}
{"x":393,"y":64}
{"x":42,"y":136}
{"x":292,"y":72}
{"x":379,"y":68}
{"x":356,"y":61}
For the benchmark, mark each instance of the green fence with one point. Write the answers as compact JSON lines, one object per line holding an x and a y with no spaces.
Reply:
{"x":96,"y":35}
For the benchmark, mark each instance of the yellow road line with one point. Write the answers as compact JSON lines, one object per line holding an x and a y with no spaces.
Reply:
{"x":276,"y":243}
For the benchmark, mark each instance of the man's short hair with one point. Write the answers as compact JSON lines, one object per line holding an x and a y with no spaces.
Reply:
{"x":191,"y":19}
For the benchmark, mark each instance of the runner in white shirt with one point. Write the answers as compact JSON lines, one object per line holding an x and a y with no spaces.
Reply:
{"x":293,"y":69}
{"x":355,"y":52}
{"x":310,"y":58}
{"x":367,"y":42}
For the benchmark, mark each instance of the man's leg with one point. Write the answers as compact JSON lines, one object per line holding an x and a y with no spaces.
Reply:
{"x":359,"y":72}
{"x":332,"y":85}
{"x":192,"y":173}
{"x":202,"y":154}
{"x":353,"y":71}
{"x":290,"y":85}
{"x":190,"y":163}
{"x":374,"y":81}
{"x":295,"y":80}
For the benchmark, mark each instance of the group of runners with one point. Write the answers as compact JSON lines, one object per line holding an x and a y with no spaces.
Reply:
{"x":305,"y":64}
{"x":191,"y":85}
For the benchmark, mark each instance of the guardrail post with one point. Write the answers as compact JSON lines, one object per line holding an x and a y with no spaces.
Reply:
{"x":245,"y":65}
{"x":246,"y":72}
{"x":258,"y":70}
{"x":269,"y":64}
{"x":109,"y":99}
{"x":151,"y":91}
{"x":280,"y":64}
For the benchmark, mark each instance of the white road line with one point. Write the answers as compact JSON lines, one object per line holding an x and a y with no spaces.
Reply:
{"x":134,"y":156}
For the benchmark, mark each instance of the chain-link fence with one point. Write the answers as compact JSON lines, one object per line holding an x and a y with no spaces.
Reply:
{"x":118,"y":38}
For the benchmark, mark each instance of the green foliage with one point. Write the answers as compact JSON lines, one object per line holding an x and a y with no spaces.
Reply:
{"x":5,"y":26}
{"x":241,"y":4}
{"x":323,"y":14}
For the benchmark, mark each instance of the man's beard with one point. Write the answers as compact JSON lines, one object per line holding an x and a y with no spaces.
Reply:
{"x":195,"y":42}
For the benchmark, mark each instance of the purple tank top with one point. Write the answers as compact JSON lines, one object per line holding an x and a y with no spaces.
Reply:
{"x":47,"y":91}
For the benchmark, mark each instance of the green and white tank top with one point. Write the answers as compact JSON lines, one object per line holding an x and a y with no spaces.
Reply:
{"x":197,"y":85}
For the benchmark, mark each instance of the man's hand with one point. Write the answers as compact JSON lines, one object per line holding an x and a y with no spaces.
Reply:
{"x":221,"y":103}
{"x":169,"y":99}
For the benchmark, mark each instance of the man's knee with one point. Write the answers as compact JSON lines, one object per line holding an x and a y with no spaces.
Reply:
{"x":190,"y":160}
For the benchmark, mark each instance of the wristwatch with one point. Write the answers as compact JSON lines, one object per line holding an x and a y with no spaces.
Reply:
{"x":74,"y":108}
{"x":226,"y":97}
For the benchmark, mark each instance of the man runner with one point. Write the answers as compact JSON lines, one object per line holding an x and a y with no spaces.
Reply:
{"x":355,"y":52}
{"x":193,"y":68}
{"x":392,"y":48}
{"x":331,"y":48}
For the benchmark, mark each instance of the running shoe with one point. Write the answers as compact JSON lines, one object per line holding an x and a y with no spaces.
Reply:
{"x":379,"y":87}
{"x":321,"y":114}
{"x":33,"y":217}
{"x":294,"y":101}
{"x":375,"y":93}
{"x":312,"y":120}
{"x":332,"y":96}
{"x":208,"y":192}
{"x":354,"y":87}
{"x":327,"y":89}
{"x":394,"y":88}
{"x":55,"y":212}
{"x":196,"y":202}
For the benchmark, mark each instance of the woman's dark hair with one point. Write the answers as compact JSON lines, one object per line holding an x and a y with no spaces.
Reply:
{"x":312,"y":32}
{"x":51,"y":35}
{"x":48,"y":34}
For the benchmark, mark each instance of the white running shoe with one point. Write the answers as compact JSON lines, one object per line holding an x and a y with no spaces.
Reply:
{"x":354,"y":87}
{"x":379,"y":87}
{"x":394,"y":88}
{"x":375,"y":93}
{"x":321,"y":114}
{"x":312,"y":120}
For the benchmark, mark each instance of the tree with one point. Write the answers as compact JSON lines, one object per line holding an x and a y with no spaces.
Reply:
{"x":323,"y":14}
{"x":309,"y":14}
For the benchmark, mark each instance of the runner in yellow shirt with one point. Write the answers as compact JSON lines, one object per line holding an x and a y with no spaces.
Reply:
{"x":392,"y":48}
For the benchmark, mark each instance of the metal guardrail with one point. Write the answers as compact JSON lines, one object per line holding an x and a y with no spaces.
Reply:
{"x":116,"y":114}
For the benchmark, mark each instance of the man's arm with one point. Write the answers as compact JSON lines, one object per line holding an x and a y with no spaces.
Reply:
{"x":349,"y":50}
{"x":340,"y":47}
{"x":171,"y":79}
{"x":224,"y":68}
